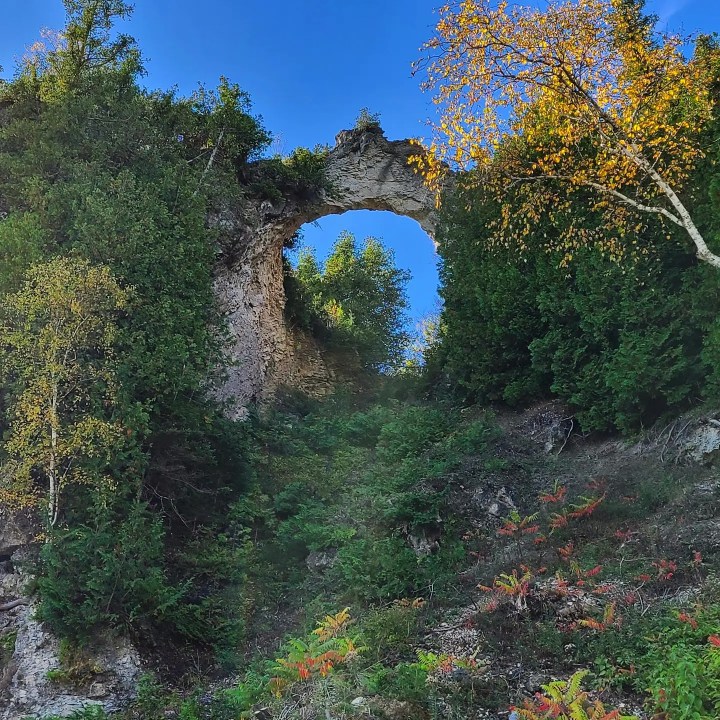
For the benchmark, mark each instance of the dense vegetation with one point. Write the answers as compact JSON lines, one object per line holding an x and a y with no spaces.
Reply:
{"x":623,"y":343}
{"x":233,"y":547}
{"x":381,"y":510}
{"x":109,"y":385}
{"x":354,"y":304}
{"x":111,"y":342}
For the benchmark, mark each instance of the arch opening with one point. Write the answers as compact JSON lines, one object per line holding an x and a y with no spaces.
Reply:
{"x":363,"y":172}
{"x":413,"y":250}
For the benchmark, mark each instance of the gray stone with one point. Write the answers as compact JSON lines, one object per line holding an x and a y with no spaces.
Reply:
{"x":16,"y":531}
{"x":319,"y":561}
{"x":30,"y":693}
{"x":366,"y":172}
{"x":423,"y":546}
{"x":702,"y":442}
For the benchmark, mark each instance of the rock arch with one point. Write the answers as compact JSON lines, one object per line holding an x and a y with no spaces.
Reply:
{"x":366,"y":172}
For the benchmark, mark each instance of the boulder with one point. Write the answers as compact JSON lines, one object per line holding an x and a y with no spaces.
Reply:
{"x":28,"y":690}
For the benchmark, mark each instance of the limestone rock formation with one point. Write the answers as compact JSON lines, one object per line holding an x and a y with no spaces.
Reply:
{"x":31,"y":690}
{"x":29,"y":652}
{"x":365,"y":171}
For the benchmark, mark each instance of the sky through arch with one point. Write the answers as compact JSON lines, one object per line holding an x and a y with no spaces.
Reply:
{"x":414,"y":250}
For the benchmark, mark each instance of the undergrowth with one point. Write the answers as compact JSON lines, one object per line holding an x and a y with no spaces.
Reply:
{"x":360,"y":506}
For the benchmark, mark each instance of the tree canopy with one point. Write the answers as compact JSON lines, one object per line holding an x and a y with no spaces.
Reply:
{"x":358,"y":297}
{"x":86,"y":45}
{"x":580,"y":95}
{"x":57,"y":353}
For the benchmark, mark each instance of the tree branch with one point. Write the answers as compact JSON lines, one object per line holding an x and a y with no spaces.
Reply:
{"x":609,"y":191}
{"x":210,"y":162}
{"x":634,"y":203}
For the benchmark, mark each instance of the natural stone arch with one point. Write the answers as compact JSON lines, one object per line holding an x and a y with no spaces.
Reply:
{"x":366,"y":172}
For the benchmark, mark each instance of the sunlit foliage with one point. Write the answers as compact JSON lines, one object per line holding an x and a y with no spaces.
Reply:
{"x":356,"y":299}
{"x":57,"y":351}
{"x":582,"y":94}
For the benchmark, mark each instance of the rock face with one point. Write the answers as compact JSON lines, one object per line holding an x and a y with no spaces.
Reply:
{"x":16,"y":531}
{"x":28,"y":652}
{"x":30,"y":691}
{"x":701,"y":442}
{"x":365,"y":172}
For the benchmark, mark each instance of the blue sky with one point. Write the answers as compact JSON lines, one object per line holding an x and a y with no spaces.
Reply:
{"x":309,"y":66}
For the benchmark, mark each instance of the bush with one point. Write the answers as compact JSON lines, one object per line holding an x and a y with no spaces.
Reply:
{"x":367,"y":120}
{"x":105,"y":572}
{"x":681,"y":665}
{"x":622,"y":343}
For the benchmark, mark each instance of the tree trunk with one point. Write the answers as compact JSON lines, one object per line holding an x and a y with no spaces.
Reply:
{"x":53,"y":488}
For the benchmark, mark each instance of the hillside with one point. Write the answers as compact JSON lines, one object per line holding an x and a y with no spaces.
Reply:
{"x":234,"y":483}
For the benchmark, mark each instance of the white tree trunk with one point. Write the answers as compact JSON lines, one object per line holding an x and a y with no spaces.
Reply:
{"x":53,"y":481}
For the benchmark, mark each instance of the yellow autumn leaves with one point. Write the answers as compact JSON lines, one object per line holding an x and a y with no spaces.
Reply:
{"x":584,"y":93}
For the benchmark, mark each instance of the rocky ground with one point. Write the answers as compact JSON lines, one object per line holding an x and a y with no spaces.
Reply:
{"x":660,"y":492}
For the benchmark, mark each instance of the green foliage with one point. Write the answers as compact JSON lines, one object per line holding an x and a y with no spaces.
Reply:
{"x":328,"y":646}
{"x":308,"y":166}
{"x":94,"y":167}
{"x":565,"y":700}
{"x":301,"y":175}
{"x":107,"y":571}
{"x":57,"y":348}
{"x":389,"y":633}
{"x":411,"y":431}
{"x":76,"y":668}
{"x":7,"y":647}
{"x":367,"y":120}
{"x":355,"y":302}
{"x":622,"y":343}
{"x":406,"y":681}
{"x":383,"y":479}
{"x":85,"y":47}
{"x":681,"y":666}
{"x":223,"y":122}
{"x":89,"y":712}
{"x":22,"y":240}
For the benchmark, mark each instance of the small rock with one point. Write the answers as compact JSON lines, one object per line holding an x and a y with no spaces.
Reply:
{"x":97,"y":690}
{"x":423,"y":546}
{"x":534,"y":682}
{"x":702,"y":443}
{"x":321,"y":560}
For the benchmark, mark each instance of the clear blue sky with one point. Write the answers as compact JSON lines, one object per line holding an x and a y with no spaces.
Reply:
{"x":309,"y":66}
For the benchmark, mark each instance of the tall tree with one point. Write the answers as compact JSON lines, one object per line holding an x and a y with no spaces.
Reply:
{"x":84,"y":46}
{"x":57,"y":354}
{"x":359,"y":294}
{"x":582,"y":94}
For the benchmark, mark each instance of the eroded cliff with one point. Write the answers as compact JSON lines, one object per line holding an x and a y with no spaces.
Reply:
{"x":364,"y":171}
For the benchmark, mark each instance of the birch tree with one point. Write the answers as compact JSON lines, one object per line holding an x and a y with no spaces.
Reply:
{"x":57,"y":352}
{"x":579,"y":97}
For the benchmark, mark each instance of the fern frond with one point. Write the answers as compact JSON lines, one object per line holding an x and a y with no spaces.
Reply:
{"x":573,"y":684}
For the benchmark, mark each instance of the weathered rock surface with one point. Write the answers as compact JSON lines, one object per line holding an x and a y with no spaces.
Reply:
{"x":28,"y":651}
{"x":16,"y":531}
{"x":701,"y":442}
{"x":27,"y":691}
{"x":365,"y":172}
